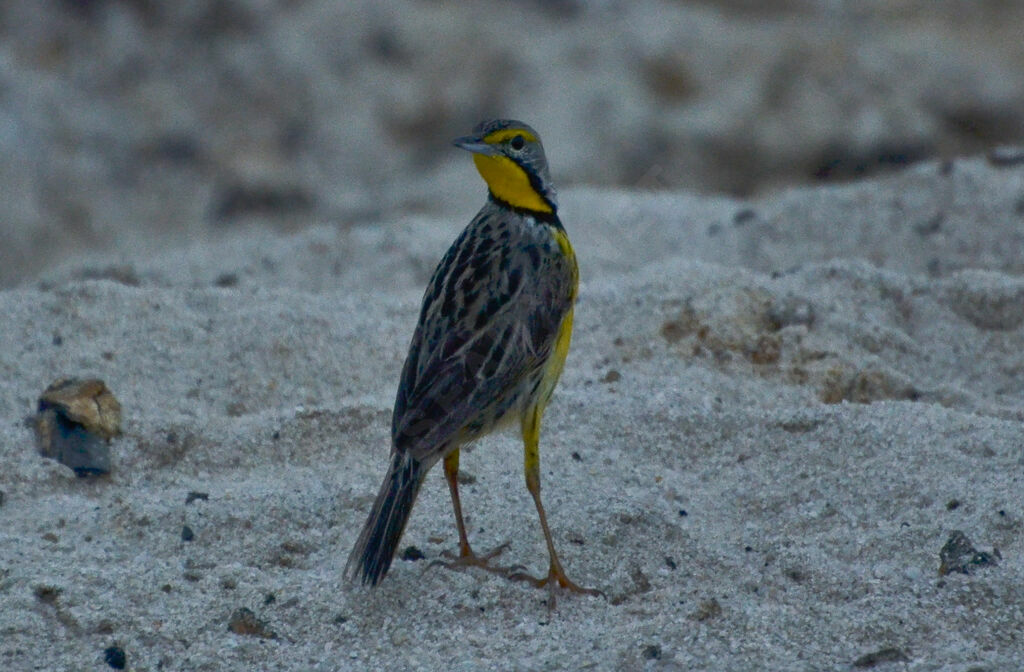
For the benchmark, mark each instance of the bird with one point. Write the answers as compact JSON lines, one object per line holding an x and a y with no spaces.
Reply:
{"x":489,"y":346}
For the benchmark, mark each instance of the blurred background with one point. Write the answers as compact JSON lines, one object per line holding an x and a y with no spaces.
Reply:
{"x":142,"y":124}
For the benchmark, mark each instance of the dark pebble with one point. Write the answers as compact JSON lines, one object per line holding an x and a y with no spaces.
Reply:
{"x":193,"y":496}
{"x":887,"y":655}
{"x":652,"y":652}
{"x":958,"y":554}
{"x":187,"y":534}
{"x":226,"y":280}
{"x":412,"y":554}
{"x":115,"y":657}
{"x":744,"y":216}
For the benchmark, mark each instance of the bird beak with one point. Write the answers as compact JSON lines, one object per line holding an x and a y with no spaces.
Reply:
{"x":472,"y":143}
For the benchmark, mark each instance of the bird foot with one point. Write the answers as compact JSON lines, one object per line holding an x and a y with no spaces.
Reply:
{"x":467,"y":558}
{"x":556,"y":578}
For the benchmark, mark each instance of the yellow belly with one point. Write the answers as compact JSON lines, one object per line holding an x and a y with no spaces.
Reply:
{"x":553,"y":369}
{"x":535,"y":409}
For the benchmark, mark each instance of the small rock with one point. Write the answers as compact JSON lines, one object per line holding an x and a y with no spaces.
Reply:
{"x":47,"y":594}
{"x":193,"y":496}
{"x":744,"y":216}
{"x":226,"y":280}
{"x":88,"y":403}
{"x":412,"y":554}
{"x":959,"y":555}
{"x":115,"y":657}
{"x":187,"y":534}
{"x":75,"y":422}
{"x":652,"y":652}
{"x":244,"y":622}
{"x":887,"y":655}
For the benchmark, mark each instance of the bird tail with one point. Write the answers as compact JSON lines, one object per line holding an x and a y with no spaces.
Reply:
{"x":371,"y":557}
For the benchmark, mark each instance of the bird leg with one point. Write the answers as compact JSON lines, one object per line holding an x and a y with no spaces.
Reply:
{"x":556,"y":575}
{"x":466,"y":556}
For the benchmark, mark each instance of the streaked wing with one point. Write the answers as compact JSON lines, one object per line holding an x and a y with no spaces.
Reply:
{"x":468,"y":355}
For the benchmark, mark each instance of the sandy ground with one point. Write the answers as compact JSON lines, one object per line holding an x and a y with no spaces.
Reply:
{"x":778,"y":408}
{"x":774,"y":415}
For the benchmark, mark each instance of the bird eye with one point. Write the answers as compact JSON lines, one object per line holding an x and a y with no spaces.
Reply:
{"x":517,"y":142}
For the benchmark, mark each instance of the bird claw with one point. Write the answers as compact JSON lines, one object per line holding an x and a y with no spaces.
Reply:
{"x":467,"y":558}
{"x":555,"y":578}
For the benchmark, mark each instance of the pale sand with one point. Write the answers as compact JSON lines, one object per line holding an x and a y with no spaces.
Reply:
{"x":710,"y":335}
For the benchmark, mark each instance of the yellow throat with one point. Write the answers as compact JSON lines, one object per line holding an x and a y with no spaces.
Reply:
{"x":509,"y":182}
